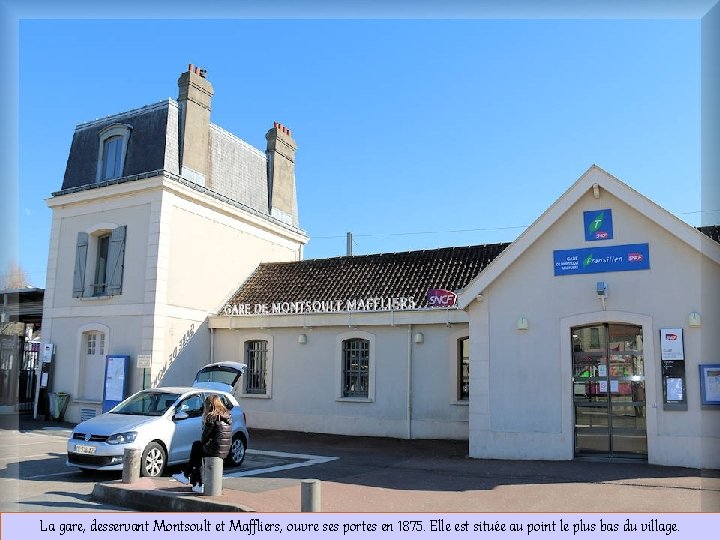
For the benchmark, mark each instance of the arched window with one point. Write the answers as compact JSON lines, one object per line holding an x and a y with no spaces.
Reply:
{"x":113,"y":149}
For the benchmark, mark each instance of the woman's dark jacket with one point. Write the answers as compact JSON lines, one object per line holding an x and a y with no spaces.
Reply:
{"x":217,"y":436}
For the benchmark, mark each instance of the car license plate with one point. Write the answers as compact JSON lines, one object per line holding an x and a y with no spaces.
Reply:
{"x":84,"y":449}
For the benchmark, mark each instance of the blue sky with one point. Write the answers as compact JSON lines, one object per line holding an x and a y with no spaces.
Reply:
{"x":412,"y":134}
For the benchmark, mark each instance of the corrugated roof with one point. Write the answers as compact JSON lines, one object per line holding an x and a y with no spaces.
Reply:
{"x":384,"y":275}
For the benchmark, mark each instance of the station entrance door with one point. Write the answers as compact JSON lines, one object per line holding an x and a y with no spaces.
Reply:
{"x":609,"y":391}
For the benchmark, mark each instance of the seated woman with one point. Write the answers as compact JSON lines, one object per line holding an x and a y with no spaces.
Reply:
{"x":214,"y":442}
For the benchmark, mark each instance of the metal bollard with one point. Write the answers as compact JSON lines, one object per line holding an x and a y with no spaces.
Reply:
{"x":131,"y":465}
{"x":310,"y":496}
{"x":212,"y":476}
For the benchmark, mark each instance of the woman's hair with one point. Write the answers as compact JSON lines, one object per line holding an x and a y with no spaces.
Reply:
{"x":214,"y":407}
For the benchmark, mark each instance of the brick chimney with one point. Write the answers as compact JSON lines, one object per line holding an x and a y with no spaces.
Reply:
{"x":280,"y":152}
{"x":194,"y":96}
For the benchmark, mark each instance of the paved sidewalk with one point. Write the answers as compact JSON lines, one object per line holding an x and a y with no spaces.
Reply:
{"x":388,"y":475}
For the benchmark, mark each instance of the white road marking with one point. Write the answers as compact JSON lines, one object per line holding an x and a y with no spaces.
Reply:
{"x":309,"y":461}
{"x":63,"y":473}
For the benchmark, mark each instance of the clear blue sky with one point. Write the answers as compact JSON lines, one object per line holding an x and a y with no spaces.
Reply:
{"x":408,"y":131}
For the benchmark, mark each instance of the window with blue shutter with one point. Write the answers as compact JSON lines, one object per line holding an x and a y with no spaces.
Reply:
{"x":80,"y":261}
{"x":116,"y":261}
{"x":107,"y":268}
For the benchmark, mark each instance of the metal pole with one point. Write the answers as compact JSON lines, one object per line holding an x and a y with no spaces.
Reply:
{"x":212,"y":476}
{"x":131,"y":465}
{"x":310,"y":496}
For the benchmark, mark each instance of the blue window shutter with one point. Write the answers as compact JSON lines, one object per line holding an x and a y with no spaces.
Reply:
{"x":80,"y":262}
{"x":116,"y":261}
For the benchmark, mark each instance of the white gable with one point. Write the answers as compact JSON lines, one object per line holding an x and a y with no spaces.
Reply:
{"x":595,"y":178}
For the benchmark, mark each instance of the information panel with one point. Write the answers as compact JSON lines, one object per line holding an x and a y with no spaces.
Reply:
{"x":114,"y":386}
{"x":598,"y":259}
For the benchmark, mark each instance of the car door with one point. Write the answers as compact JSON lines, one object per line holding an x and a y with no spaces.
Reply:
{"x":187,"y":429}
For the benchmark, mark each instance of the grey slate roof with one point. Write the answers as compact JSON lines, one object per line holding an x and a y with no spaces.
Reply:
{"x":146,"y":146}
{"x":237,"y":171}
{"x":384,"y":275}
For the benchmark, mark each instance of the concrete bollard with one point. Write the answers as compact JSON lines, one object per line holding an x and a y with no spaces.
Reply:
{"x":310,"y":496}
{"x":212,"y":476}
{"x":131,"y":465}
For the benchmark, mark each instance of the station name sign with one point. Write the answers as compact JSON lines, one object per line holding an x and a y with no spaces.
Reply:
{"x":437,"y":298}
{"x":324,"y":306}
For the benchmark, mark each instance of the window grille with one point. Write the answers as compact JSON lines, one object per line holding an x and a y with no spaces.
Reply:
{"x":256,"y":360}
{"x":356,"y":367}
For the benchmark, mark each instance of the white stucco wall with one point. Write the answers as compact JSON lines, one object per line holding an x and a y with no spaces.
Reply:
{"x":305,"y":386}
{"x":521,"y":403}
{"x":185,"y":252}
{"x":120,"y":317}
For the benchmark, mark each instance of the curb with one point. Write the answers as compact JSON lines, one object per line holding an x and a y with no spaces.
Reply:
{"x":158,"y":500}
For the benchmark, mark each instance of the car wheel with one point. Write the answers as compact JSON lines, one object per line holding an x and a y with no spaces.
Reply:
{"x":153,"y":460}
{"x":236,"y":455}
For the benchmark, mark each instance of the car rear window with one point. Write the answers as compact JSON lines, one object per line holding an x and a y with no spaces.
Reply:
{"x":215,"y":374}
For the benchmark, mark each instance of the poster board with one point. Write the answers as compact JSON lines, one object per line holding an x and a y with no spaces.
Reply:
{"x":671,"y":344}
{"x":710,"y":384}
{"x":115,"y":381}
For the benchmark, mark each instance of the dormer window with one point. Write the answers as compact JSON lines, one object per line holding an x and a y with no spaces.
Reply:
{"x":113,"y":148}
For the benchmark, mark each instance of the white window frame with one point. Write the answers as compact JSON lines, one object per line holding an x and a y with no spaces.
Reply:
{"x":268,"y":366}
{"x":339,"y":360}
{"x":80,"y":347}
{"x":115,"y":130}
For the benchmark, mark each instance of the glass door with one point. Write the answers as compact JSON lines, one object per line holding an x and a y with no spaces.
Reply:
{"x":609,"y":390}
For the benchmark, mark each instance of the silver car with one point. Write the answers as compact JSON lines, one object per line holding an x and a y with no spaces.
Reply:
{"x":162,"y":422}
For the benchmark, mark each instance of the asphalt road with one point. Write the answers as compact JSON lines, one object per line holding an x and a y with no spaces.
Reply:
{"x":365,"y":474}
{"x":35,"y":478}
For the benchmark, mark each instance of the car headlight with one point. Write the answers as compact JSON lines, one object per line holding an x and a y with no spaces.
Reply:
{"x":122,"y":438}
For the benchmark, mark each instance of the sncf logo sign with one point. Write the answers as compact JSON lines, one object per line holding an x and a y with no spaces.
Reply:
{"x":441,"y":298}
{"x":671,"y":337}
{"x":635,"y":257}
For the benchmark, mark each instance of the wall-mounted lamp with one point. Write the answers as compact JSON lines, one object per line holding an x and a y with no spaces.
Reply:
{"x":601,"y":289}
{"x":419,"y":337}
{"x":522,"y":323}
{"x":694,"y":319}
{"x":302,"y":339}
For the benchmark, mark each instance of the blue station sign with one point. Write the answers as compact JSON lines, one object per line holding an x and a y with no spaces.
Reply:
{"x":598,"y":225}
{"x":601,"y":259}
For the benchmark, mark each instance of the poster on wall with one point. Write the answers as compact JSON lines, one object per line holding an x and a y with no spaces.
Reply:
{"x":671,"y":344}
{"x":710,"y":384}
{"x":116,"y":377}
{"x":674,"y":390}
